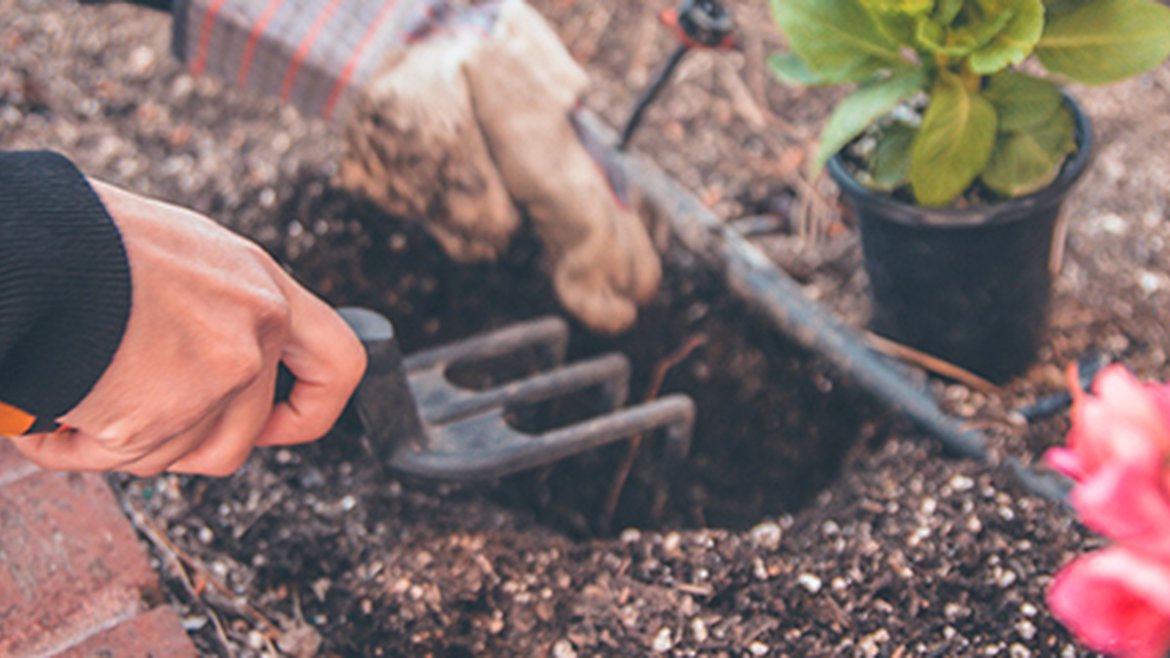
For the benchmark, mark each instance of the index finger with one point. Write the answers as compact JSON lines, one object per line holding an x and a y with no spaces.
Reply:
{"x":327,"y":360}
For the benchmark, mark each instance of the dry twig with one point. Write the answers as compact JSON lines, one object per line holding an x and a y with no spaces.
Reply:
{"x":171,"y":556}
{"x":932,"y":364}
{"x":663,"y":366}
{"x":181,"y":562}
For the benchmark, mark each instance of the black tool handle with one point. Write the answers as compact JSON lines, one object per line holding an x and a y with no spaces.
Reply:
{"x":383,"y":406}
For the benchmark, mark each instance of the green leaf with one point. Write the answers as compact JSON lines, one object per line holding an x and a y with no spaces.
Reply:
{"x":1054,"y":9}
{"x":837,"y":39}
{"x":947,"y":11}
{"x":1022,"y":101}
{"x":790,"y":69}
{"x":899,"y":28}
{"x":1106,"y":40}
{"x":1025,"y":161}
{"x":890,"y":165}
{"x":1014,"y":42}
{"x":862,"y":108}
{"x":911,"y":7}
{"x":953,"y":144}
{"x":931,"y":36}
{"x":960,"y":42}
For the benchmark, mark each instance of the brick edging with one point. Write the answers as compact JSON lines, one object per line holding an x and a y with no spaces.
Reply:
{"x":74,"y":578}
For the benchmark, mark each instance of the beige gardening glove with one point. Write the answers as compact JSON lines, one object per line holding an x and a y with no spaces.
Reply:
{"x":459,"y":126}
{"x":457,"y":116}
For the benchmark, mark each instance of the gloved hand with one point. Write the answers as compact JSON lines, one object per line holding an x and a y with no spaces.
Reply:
{"x":456,"y":116}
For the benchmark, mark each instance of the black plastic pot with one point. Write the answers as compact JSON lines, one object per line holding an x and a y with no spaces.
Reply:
{"x":970,"y":286}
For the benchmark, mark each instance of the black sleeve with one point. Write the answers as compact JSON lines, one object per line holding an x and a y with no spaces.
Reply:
{"x":64,"y":284}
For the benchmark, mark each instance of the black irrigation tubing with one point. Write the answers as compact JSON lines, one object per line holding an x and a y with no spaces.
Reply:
{"x":650,"y":93}
{"x":752,"y":276}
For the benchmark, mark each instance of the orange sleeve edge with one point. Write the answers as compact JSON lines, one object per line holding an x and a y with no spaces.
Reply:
{"x":13,"y":421}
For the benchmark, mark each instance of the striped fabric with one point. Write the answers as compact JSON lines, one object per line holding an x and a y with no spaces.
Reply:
{"x":310,"y":53}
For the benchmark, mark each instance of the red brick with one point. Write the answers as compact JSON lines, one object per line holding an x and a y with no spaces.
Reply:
{"x":12,"y":465}
{"x":70,"y":565}
{"x":157,"y":633}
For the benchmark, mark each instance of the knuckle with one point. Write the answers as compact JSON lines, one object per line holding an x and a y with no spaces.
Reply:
{"x":272,"y":310}
{"x":232,"y":366}
{"x":273,"y":317}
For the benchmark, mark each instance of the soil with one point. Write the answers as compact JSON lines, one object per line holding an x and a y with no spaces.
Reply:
{"x":807,"y":520}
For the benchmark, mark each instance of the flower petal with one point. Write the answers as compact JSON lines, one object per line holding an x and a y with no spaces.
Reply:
{"x":1127,"y":503}
{"x":1115,"y":601}
{"x":1066,"y":461}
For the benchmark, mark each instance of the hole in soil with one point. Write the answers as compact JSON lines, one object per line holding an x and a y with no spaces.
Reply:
{"x":484,"y":373}
{"x":561,"y":411}
{"x":771,"y":430}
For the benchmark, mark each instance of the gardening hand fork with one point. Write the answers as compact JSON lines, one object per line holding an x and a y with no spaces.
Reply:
{"x":420,"y":422}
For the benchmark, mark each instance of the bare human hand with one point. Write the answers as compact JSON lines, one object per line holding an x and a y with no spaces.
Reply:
{"x":191,"y":386}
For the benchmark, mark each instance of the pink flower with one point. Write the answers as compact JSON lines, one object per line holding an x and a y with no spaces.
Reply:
{"x":1123,"y":420}
{"x":1116,"y":601}
{"x":1118,"y":451}
{"x":1128,"y":504}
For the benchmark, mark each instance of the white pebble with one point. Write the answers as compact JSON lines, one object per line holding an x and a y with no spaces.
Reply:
{"x":767,"y":535}
{"x":1020,"y":651}
{"x":255,"y":640}
{"x":961,"y":483}
{"x":663,"y":641}
{"x":142,"y":60}
{"x":759,"y":570}
{"x":1150,"y":282}
{"x":1112,"y":223}
{"x":699,"y":630}
{"x":671,"y":542}
{"x":564,"y":649}
{"x":809,"y":582}
{"x":929,"y":505}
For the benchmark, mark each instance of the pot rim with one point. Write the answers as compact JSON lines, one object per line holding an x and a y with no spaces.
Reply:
{"x":997,"y":212}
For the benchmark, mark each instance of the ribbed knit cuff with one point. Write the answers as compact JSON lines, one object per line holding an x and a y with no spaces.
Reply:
{"x":64,"y":284}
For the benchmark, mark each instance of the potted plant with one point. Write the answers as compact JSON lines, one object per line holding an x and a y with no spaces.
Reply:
{"x":957,"y":148}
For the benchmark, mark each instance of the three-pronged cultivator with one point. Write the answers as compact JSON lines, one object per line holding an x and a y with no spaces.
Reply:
{"x":420,"y":421}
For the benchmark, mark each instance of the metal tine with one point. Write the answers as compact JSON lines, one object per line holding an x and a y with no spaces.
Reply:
{"x":551,"y":333}
{"x":484,"y":446}
{"x":440,"y":401}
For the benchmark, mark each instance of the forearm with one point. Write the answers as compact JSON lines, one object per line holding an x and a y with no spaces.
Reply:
{"x":64,"y":285}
